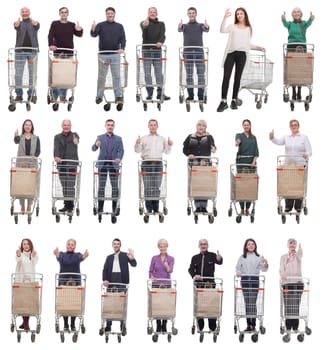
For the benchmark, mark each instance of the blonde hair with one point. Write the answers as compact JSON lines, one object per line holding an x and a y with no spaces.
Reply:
{"x":297,"y":9}
{"x":162,"y":240}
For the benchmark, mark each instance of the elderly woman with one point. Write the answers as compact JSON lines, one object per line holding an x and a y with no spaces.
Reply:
{"x":161,"y":267}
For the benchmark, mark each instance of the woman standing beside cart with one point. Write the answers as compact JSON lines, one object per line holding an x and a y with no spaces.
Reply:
{"x":247,"y":155}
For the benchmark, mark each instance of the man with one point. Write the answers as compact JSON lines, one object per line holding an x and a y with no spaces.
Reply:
{"x":69,"y":262}
{"x":203,"y":265}
{"x":26,"y":36}
{"x":110,"y":155}
{"x":61,"y":35}
{"x":116,"y":270}
{"x":66,"y":148}
{"x":151,"y":147}
{"x":193,"y":52}
{"x":111,"y":38}
{"x":153,"y":32}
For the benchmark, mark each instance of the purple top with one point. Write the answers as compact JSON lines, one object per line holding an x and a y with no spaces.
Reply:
{"x":157,"y":269}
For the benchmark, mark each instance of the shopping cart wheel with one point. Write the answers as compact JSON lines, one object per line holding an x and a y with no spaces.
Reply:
{"x":99,"y":218}
{"x":252,"y":219}
{"x":300,"y":337}
{"x":254,"y":337}
{"x":70,"y":218}
{"x":37,"y":211}
{"x":28,"y":107}
{"x":230,"y":212}
{"x":161,"y":219}
{"x":196,"y":219}
{"x":205,"y":100}
{"x":215,"y":212}
{"x":124,"y":330}
{"x":83,"y":329}
{"x":188,"y":107}
{"x":118,"y":211}
{"x":146,"y":218}
{"x":38,"y":327}
{"x":292,"y":106}
{"x":262,"y":330}
{"x":11,"y":211}
{"x":286,"y":338}
{"x":16,"y":219}
{"x":305,"y":211}
{"x":238,"y":219}
{"x":55,"y":107}
{"x":12,"y":328}
{"x":75,"y":337}
{"x":308,"y":331}
{"x":165,"y":211}
{"x":211,"y":219}
{"x":33,"y":337}
{"x":69,"y":107}
{"x":297,"y":218}
{"x":259,"y":104}
{"x":77,"y":211}
{"x":94,"y":211}
{"x":235,"y":329}
{"x":106,"y":339}
{"x":169,"y":338}
{"x":283,"y":219}
{"x":159,"y":106}
{"x":62,"y":337}
{"x":119,"y":107}
{"x":107,"y":107}
{"x":241,"y":337}
{"x":12,"y":107}
{"x":57,"y":218}
{"x":286,"y":97}
{"x":119,"y":338}
{"x":145,"y":107}
{"x":214,"y":338}
{"x":48,"y":99}
{"x":101,"y":331}
{"x":113,"y":219}
{"x":138,"y":98}
{"x":174,"y":331}
{"x":181,"y":98}
{"x":141,"y":211}
{"x":279,"y":210}
{"x":18,"y":337}
{"x":188,"y":211}
{"x":282,"y":330}
{"x":154,"y":338}
{"x":29,"y":219}
{"x":308,"y":98}
{"x":201,"y":336}
{"x":265,"y":98}
{"x":193,"y":329}
{"x":201,"y":106}
{"x":149,"y":330}
{"x":306,"y":106}
{"x":57,"y":328}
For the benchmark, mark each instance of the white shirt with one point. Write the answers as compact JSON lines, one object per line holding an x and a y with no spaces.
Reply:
{"x":116,"y":263}
{"x":152,"y":146}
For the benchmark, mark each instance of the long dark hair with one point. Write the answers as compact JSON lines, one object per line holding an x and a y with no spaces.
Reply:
{"x":30,"y":245}
{"x":250,"y":127}
{"x":245,"y":251}
{"x":247,"y":23}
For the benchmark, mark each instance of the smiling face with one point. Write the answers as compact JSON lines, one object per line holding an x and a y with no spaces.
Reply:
{"x":26,"y":246}
{"x":163,"y":247}
{"x":297,"y":14}
{"x":201,"y":127}
{"x":66,"y":126}
{"x":250,"y":246}
{"x":116,"y":245}
{"x":109,"y":125}
{"x":153,"y":126}
{"x":25,"y":13}
{"x":240,"y":16}
{"x":110,"y":15}
{"x":70,"y":246}
{"x":246,"y":126}
{"x":152,"y":13}
{"x":27,"y":126}
{"x":192,"y":14}
{"x":292,"y":244}
{"x":203,"y":245}
{"x":294,"y":126}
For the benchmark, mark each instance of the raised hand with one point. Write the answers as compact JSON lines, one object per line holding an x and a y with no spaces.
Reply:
{"x":78,"y":28}
{"x":130,"y":254}
{"x":283,"y":15}
{"x":18,"y":251}
{"x":93,"y":26}
{"x":17,"y":23}
{"x":271,"y":134}
{"x":138,"y":140}
{"x":56,"y":251}
{"x":170,"y":142}
{"x":227,"y":13}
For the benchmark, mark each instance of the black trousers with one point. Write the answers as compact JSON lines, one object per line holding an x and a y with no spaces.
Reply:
{"x":292,"y":301}
{"x":250,"y":286}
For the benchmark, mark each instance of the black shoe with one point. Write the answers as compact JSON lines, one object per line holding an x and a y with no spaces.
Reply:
{"x":249,"y":329}
{"x":294,"y":96}
{"x":164,"y":326}
{"x":108,"y":328}
{"x":98,"y":100}
{"x":287,"y":210}
{"x":233,"y":104}
{"x":158,"y":328}
{"x":63,"y":210}
{"x":73,"y":328}
{"x":165,"y":97}
{"x":222,"y":106}
{"x":190,"y":98}
{"x":198,"y":210}
{"x":18,"y":98}
{"x":66,"y":328}
{"x":299,"y":97}
{"x":200,"y":98}
{"x":149,"y":97}
{"x":204,"y":210}
{"x":119,"y":99}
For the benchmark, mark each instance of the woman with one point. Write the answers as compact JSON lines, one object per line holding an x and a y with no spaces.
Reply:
{"x":248,"y":267}
{"x":247,"y":155}
{"x":201,"y":143}
{"x":161,"y":267}
{"x":290,"y":274}
{"x":297,"y":146}
{"x":70,"y":263}
{"x":26,"y":258}
{"x":238,"y":46}
{"x":296,"y":35}
{"x":29,"y":146}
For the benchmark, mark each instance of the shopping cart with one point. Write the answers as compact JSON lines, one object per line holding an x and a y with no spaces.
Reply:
{"x":148,"y":56}
{"x":249,"y":303}
{"x":114,"y":308}
{"x":107,"y":176}
{"x":298,"y":71}
{"x":294,"y":301}
{"x":243,"y":188}
{"x":193,"y":74}
{"x":22,"y":74}
{"x":207,"y":303}
{"x":66,"y":186}
{"x":202,"y":186}
{"x":162,"y":296}
{"x":257,"y":75}
{"x":25,"y":186}
{"x":112,"y":76}
{"x":26,"y":301}
{"x":70,"y":291}
{"x":62,"y":75}
{"x":152,"y":186}
{"x":292,"y":174}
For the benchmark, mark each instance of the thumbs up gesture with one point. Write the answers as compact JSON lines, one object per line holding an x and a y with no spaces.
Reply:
{"x":283,"y":15}
{"x":93,"y":26}
{"x":170,"y":142}
{"x":138,"y":140}
{"x":180,"y":24}
{"x":271,"y":135}
{"x":78,"y":28}
{"x":205,"y":23}
{"x":264,"y":261}
{"x":17,"y":23}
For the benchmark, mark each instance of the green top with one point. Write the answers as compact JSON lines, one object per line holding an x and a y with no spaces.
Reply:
{"x":247,"y":147}
{"x":297,"y":30}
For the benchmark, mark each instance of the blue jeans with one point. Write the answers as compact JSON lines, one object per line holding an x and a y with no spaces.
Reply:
{"x":21,"y":58}
{"x":152,"y":183}
{"x":107,"y":61}
{"x":195,"y":59}
{"x":107,"y":168}
{"x":153,"y":58}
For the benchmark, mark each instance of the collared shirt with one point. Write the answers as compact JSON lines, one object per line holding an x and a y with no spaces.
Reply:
{"x":297,"y":144}
{"x":116,"y":263}
{"x":152,"y":146}
{"x":290,"y":265}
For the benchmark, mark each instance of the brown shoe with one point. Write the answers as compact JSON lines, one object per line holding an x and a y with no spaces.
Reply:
{"x":63,"y":99}
{"x":247,"y":212}
{"x":18,"y":98}
{"x":242,"y":212}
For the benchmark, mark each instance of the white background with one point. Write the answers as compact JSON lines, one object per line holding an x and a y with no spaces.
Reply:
{"x":224,"y":235}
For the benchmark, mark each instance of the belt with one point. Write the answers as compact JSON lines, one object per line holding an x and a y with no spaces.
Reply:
{"x":152,"y":161}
